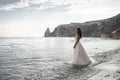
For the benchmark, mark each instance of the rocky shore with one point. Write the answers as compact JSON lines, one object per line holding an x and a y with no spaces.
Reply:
{"x":109,"y":70}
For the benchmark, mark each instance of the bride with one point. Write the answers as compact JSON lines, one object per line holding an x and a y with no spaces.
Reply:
{"x":80,"y":56}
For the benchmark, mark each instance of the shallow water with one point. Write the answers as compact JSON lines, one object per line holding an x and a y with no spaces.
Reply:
{"x":20,"y":57}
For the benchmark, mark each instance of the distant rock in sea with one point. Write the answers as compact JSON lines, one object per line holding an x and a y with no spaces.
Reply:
{"x":47,"y":33}
{"x":101,"y":28}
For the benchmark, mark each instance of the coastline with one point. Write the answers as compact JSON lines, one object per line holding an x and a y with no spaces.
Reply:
{"x":110,"y":69}
{"x":106,"y":67}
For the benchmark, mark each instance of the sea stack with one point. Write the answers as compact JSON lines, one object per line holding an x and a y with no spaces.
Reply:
{"x":47,"y":32}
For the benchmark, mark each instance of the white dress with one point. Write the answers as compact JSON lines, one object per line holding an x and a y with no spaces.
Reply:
{"x":80,"y":56}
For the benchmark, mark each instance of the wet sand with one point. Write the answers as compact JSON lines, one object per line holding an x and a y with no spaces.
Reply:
{"x":106,"y":67}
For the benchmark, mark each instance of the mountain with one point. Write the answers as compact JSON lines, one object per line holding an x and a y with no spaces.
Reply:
{"x":101,"y":28}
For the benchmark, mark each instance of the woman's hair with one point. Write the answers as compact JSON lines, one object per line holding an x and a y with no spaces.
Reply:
{"x":79,"y":32}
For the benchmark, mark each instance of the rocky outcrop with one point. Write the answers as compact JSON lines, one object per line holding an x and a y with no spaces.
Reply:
{"x":100,"y":28}
{"x":47,"y":33}
{"x":116,"y":33}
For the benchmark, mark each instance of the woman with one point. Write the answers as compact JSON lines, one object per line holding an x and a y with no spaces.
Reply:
{"x":80,"y":56}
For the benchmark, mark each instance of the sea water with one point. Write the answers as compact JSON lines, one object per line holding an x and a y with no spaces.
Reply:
{"x":20,"y":57}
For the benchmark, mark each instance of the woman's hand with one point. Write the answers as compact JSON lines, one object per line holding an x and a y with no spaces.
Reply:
{"x":74,"y":46}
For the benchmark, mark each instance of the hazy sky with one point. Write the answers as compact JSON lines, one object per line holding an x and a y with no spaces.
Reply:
{"x":21,"y":18}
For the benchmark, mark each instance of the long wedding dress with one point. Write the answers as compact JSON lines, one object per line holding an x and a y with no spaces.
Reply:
{"x":80,"y":56}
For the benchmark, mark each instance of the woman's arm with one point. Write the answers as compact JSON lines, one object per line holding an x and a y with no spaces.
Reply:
{"x":78,"y":38}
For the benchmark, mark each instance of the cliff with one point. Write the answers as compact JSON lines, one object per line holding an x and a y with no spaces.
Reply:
{"x":101,"y":28}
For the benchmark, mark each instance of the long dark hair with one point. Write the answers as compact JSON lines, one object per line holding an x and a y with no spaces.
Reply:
{"x":79,"y":32}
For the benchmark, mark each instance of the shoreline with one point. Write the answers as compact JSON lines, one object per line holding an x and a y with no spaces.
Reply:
{"x":110,"y":69}
{"x":66,"y":71}
{"x":104,"y":57}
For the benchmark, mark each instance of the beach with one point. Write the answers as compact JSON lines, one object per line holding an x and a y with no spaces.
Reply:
{"x":51,"y":59}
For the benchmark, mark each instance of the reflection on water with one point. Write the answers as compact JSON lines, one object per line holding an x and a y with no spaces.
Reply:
{"x":25,"y":56}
